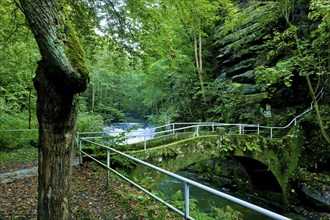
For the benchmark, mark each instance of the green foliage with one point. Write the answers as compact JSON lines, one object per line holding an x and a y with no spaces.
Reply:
{"x":116,"y":88}
{"x":233,"y":108}
{"x":110,"y":113}
{"x":167,"y":115}
{"x":304,"y":175}
{"x":281,"y":42}
{"x":20,"y":138}
{"x":241,"y":27}
{"x":22,"y":155}
{"x":123,"y":164}
{"x":225,"y":213}
{"x":89,"y":122}
{"x":225,"y":147}
{"x":292,"y":50}
{"x":178,"y":201}
{"x":281,"y":73}
{"x":320,"y":12}
{"x":316,"y":150}
{"x":251,"y":146}
{"x":165,"y":85}
{"x":18,"y":57}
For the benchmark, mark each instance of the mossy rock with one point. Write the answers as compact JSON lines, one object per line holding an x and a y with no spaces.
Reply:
{"x":240,"y":88}
{"x":247,"y":77}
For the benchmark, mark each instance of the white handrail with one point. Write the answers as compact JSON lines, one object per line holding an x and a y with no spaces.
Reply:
{"x":172,"y":127}
{"x":187,"y":182}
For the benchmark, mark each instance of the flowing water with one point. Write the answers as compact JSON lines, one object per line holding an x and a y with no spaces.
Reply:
{"x":206,"y":200}
{"x":136,"y":132}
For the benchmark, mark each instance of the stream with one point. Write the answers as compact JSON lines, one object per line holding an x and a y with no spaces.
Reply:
{"x":135,"y":132}
{"x":206,"y":200}
{"x":170,"y":186}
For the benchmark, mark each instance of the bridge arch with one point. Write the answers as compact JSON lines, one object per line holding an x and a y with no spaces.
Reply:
{"x":260,"y":174}
{"x":276,"y":158}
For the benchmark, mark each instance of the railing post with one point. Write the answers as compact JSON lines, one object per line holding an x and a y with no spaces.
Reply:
{"x":145,"y":142}
{"x":258,"y":129}
{"x":212,"y":126}
{"x":197,"y":130}
{"x":173,"y":131}
{"x":80,"y":149}
{"x":271,"y":132}
{"x":295,"y":121}
{"x":108,"y":166}
{"x":186,"y":201}
{"x":77,"y":139}
{"x":240,"y":128}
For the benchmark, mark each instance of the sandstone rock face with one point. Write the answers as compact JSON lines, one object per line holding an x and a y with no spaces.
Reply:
{"x":242,"y":49}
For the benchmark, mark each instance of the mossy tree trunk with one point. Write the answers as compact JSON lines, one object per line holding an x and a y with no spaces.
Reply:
{"x":60,"y":76}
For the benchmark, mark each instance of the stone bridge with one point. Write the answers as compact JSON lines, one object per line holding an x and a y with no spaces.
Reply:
{"x":277,"y":158}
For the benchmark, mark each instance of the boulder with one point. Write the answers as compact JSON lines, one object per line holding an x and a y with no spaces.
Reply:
{"x":243,"y":89}
{"x":247,"y":77}
{"x":317,"y":194}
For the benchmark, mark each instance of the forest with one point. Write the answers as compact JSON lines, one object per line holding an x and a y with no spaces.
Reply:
{"x":165,"y":61}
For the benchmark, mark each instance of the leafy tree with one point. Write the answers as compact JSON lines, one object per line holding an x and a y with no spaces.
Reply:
{"x":153,"y":33}
{"x":303,"y":56}
{"x":17,"y":65}
{"x":61,"y":74}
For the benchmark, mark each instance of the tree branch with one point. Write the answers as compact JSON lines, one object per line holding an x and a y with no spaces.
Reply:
{"x":121,"y":19}
{"x":6,"y":41}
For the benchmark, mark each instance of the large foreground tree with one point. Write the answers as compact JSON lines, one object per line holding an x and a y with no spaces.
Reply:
{"x":60,"y":76}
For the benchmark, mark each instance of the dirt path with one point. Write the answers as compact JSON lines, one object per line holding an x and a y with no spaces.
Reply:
{"x":19,"y":173}
{"x":91,"y":199}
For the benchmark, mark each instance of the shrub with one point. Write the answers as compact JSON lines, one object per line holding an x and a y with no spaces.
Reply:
{"x":14,"y":132}
{"x":87,"y":121}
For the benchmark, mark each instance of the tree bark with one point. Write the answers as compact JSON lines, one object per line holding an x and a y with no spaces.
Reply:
{"x":93,"y":97}
{"x":60,"y":76}
{"x":56,"y":112}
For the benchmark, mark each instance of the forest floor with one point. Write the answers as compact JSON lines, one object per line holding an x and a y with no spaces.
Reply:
{"x":91,"y":198}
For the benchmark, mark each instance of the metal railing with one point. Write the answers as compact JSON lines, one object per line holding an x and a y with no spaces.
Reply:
{"x":28,"y":134}
{"x":195,"y":127}
{"x":173,"y":128}
{"x":187,"y":183}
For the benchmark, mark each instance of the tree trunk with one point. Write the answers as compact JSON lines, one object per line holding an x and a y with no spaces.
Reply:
{"x":60,"y":75}
{"x":93,"y":97}
{"x":56,"y":113}
{"x":30,"y":113}
{"x":199,"y":64}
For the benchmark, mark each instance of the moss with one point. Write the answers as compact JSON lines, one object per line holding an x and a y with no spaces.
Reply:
{"x":75,"y":53}
{"x":67,"y":37}
{"x":175,"y":156}
{"x":281,"y":156}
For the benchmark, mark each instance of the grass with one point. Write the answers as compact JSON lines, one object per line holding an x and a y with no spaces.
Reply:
{"x":22,"y":155}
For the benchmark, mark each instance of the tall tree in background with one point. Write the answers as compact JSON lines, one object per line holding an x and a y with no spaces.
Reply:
{"x":60,"y":76}
{"x":198,"y":17}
